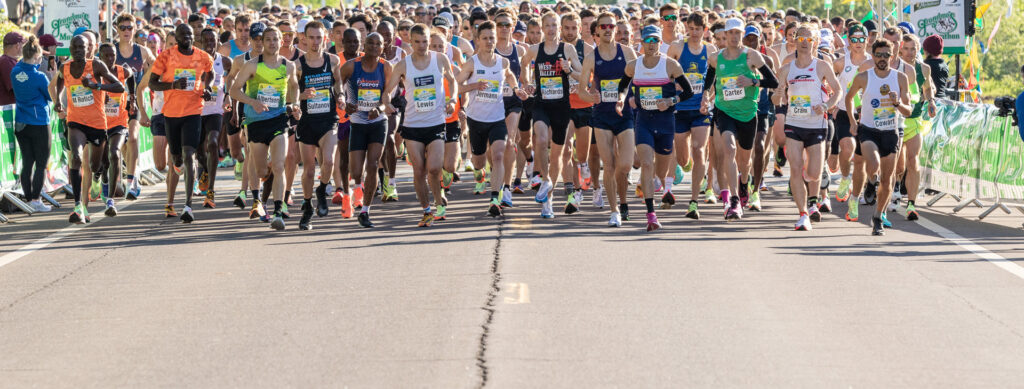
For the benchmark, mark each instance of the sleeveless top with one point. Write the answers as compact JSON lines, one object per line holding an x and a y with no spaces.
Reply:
{"x":574,"y":97}
{"x":425,"y":92}
{"x":695,"y":66}
{"x":880,"y":112}
{"x":845,"y":77}
{"x":607,"y":76}
{"x":85,"y":106}
{"x":917,"y":92}
{"x":486,"y":105}
{"x":216,"y":105}
{"x":322,"y":107}
{"x":804,"y":89}
{"x":513,"y":65}
{"x":649,"y":86}
{"x":269,"y":86}
{"x":133,"y":62}
{"x":739,"y":103}
{"x":114,"y":107}
{"x":552,"y":81}
{"x":235,"y":51}
{"x":366,"y":89}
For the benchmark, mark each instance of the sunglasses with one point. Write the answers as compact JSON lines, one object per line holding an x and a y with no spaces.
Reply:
{"x":802,"y":39}
{"x":670,"y":18}
{"x":883,"y":55}
{"x":858,"y":40}
{"x":504,"y":24}
{"x":421,"y":14}
{"x":125,"y":28}
{"x":607,"y":26}
{"x":652,"y":39}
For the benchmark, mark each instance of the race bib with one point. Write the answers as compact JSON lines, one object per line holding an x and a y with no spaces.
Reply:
{"x":367,"y":99}
{"x":649,"y":96}
{"x":800,"y":106}
{"x":574,"y":86}
{"x":319,"y":103}
{"x":696,"y":82}
{"x":506,"y":90}
{"x":189,"y":75}
{"x":730,"y":91}
{"x":885,"y":118}
{"x":425,"y":99}
{"x":214,"y":90}
{"x":490,"y":93}
{"x":551,"y":88}
{"x":81,"y":96}
{"x":610,"y":91}
{"x":113,"y":106}
{"x":269,"y":96}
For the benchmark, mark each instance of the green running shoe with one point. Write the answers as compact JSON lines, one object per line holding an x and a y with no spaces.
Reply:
{"x":851,"y":214}
{"x":754,"y":202}
{"x":480,"y":188}
{"x":440,"y":213}
{"x":844,"y":189}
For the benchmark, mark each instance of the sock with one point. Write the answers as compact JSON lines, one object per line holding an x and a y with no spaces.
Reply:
{"x":649,"y":203}
{"x":255,"y":194}
{"x":131,"y":179}
{"x":287,"y":195}
{"x":812,"y":200}
{"x":911,"y":202}
{"x":76,"y":184}
{"x":725,"y":194}
{"x":668,"y":185}
{"x":623,"y":208}
{"x":535,"y":174}
{"x":530,"y":159}
{"x":494,"y":194}
{"x":106,"y":190}
{"x":366,"y":209}
{"x":277,"y":207}
{"x":506,"y":186}
{"x":391,"y":182}
{"x":426,"y":209}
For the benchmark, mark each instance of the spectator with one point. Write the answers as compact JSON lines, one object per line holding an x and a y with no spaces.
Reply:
{"x":932,"y":46}
{"x":13,"y":43}
{"x":33,"y":118}
{"x":1020,"y":108}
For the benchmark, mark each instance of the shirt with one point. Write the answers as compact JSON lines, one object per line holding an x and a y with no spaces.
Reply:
{"x":171,"y":64}
{"x":6,"y":92}
{"x":30,"y":94}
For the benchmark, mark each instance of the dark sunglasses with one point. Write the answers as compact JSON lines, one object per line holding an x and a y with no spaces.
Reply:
{"x":504,"y":24}
{"x":607,"y":26}
{"x":858,"y":40}
{"x":125,"y":28}
{"x":883,"y":55}
{"x":652,"y":39}
{"x":670,"y":18}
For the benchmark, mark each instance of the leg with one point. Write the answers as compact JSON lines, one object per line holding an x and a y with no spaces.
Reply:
{"x":417,"y":157}
{"x":913,"y":149}
{"x":797,"y":180}
{"x":278,"y":160}
{"x":698,"y":145}
{"x":625,"y":153}
{"x":434,"y":159}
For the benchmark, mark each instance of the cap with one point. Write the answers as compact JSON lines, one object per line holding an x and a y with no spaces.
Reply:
{"x":520,"y":28}
{"x":447,"y":16}
{"x":650,"y":31}
{"x":870,"y":25}
{"x":440,"y":22}
{"x":300,"y":9}
{"x":932,"y":45}
{"x":477,"y":10}
{"x":752,"y":30}
{"x":13,"y":38}
{"x":856,"y":29}
{"x":907,"y":27}
{"x":733,"y":24}
{"x":80,"y":30}
{"x":48,"y":40}
{"x":217,"y":21}
{"x":826,"y":34}
{"x":256,"y":30}
{"x":300,"y":27}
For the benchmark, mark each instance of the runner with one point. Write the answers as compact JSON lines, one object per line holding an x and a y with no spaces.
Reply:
{"x":576,"y":166}
{"x":116,"y":107}
{"x":922,"y":93}
{"x":854,"y":61}
{"x":212,"y":119}
{"x":236,"y":133}
{"x":364,"y":80}
{"x":137,"y":58}
{"x":511,"y":51}
{"x":291,"y":53}
{"x":423,"y":74}
{"x":342,"y":192}
{"x":886,"y":96}
{"x":612,"y":118}
{"x":85,"y":116}
{"x":243,"y":38}
{"x":271,"y":91}
{"x":392,"y":54}
{"x":317,"y":129}
{"x":183,"y":74}
{"x":452,"y":128}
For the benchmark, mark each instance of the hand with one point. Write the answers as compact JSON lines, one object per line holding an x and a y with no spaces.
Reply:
{"x":207,"y":94}
{"x":350,"y":108}
{"x":179,"y":84}
{"x":932,"y":109}
{"x":853,"y":127}
{"x":389,"y":109}
{"x":144,"y":121}
{"x":233,"y":120}
{"x":743,"y":82}
{"x":704,"y":108}
{"x":58,"y":108}
{"x":566,"y":65}
{"x":530,"y":89}
{"x":522,"y":94}
{"x":341,"y":101}
{"x":480,"y":85}
{"x":663,"y":104}
{"x":834,"y":110}
{"x":308,"y":93}
{"x":87,"y":82}
{"x":294,"y":111}
{"x":449,"y":108}
{"x":259,"y":107}
{"x":374,"y":113}
{"x":632,"y":102}
{"x":895,"y":99}
{"x":228,"y":106}
{"x":819,"y":110}
{"x":619,"y":105}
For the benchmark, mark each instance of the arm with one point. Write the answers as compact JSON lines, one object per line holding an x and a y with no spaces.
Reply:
{"x":55,"y":87}
{"x":833,"y":84}
{"x":393,"y":79}
{"x":140,"y":99}
{"x":524,"y":69}
{"x":587,"y":94}
{"x":292,"y":97}
{"x":461,"y":86}
{"x":449,"y":77}
{"x":902,"y":102}
{"x":236,"y":89}
{"x":756,"y":61}
{"x":675,"y":71}
{"x":574,"y":62}
{"x":856,"y":86}
{"x":101,"y":72}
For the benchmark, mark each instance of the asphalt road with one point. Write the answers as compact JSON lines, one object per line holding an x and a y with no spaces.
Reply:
{"x":143,"y":301}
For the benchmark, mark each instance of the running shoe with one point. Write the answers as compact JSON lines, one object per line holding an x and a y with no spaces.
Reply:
{"x":652,"y":222}
{"x":111,"y":210}
{"x":257,"y":210}
{"x":307,"y":215}
{"x":885,"y":221}
{"x":870,"y":191}
{"x":735,"y":211}
{"x":446,"y":179}
{"x":96,"y":190}
{"x":169,"y":211}
{"x":754,"y":202}
{"x":571,"y":204}
{"x":692,"y":213}
{"x":364,"y":220}
{"x":239,"y":169}
{"x":76,"y":216}
{"x":814,"y":213}
{"x":427,"y":220}
{"x":639,"y":191}
{"x":480,"y":188}
{"x":744,"y":190}
{"x":390,"y":194}
{"x":288,"y":198}
{"x":204,"y":181}
{"x":494,"y":209}
{"x":441,"y":212}
{"x":843,"y":193}
{"x":529,"y":167}
{"x":357,"y":198}
{"x":85,"y":213}
{"x":38,"y":206}
{"x":852,"y":212}
{"x":133,"y":192}
{"x":709,"y":196}
{"x":506,"y":198}
{"x":615,"y":220}
{"x":468,"y":167}
{"x":278,"y":223}
{"x":894,"y":203}
{"x":624,"y":211}
{"x":777,"y":171}
{"x":598,"y":198}
{"x":346,"y":206}
{"x":584,"y":172}
{"x":535,"y":182}
{"x":803,"y":224}
{"x":688,"y":167}
{"x":240,"y":200}
{"x":659,"y":185}
{"x":517,"y":187}
{"x":912,"y":212}
{"x":226,"y":162}
{"x":321,"y":202}
{"x":186,"y":215}
{"x":544,"y":192}
{"x":285,"y":214}
{"x":668,"y":198}
{"x":825,"y":205}
{"x":338,"y":197}
{"x":876,"y":227}
{"x":478,"y":176}
{"x":678,"y":178}
{"x":546,"y":210}
{"x":208,"y":201}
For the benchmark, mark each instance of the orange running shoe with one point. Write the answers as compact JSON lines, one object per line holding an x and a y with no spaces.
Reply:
{"x":357,"y":197}
{"x":346,"y":206}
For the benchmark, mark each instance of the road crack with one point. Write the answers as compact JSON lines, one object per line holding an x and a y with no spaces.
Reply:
{"x":489,"y":308}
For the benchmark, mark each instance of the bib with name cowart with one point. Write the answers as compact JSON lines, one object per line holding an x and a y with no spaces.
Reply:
{"x":551,"y":88}
{"x":885,"y":118}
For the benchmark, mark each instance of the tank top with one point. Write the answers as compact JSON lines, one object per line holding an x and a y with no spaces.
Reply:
{"x":133,"y":62}
{"x":650,"y":85}
{"x":739,"y":103}
{"x":879,"y":112}
{"x":846,"y":76}
{"x":269,"y":86}
{"x":607,"y":75}
{"x":235,"y":51}
{"x":486,"y":105}
{"x":454,"y":117}
{"x":340,"y":110}
{"x":574,"y":94}
{"x":85,"y":106}
{"x":366,"y":89}
{"x":552,"y":82}
{"x":425,"y":108}
{"x":804,"y":89}
{"x":513,"y":65}
{"x":916,"y":89}
{"x":322,"y":107}
{"x":216,"y":104}
{"x":114,"y":107}
{"x":695,"y":66}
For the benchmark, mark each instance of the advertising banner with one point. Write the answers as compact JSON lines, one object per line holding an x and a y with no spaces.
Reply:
{"x":943,"y":17}
{"x":63,"y":17}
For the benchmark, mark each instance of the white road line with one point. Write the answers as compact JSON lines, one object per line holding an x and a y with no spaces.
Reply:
{"x":968,"y":245}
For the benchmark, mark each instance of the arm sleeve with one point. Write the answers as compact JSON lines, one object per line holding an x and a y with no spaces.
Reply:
{"x":769,"y":80}
{"x":687,"y":90}
{"x":624,"y":83}
{"x":709,"y":78}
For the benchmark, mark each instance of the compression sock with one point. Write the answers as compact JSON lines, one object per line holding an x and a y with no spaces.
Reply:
{"x":76,"y":184}
{"x":649,"y":203}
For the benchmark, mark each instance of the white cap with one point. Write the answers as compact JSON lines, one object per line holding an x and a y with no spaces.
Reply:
{"x":446,"y":15}
{"x":301,"y":26}
{"x":733,"y":24}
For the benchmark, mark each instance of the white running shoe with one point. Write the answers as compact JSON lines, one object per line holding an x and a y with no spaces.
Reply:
{"x":615,"y":220}
{"x":803,"y":224}
{"x":38,"y":206}
{"x":546,"y":210}
{"x":544,"y":191}
{"x":599,"y":198}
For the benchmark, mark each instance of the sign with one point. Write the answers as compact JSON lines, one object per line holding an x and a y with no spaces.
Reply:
{"x":547,"y":3}
{"x":63,"y":17}
{"x":943,"y":17}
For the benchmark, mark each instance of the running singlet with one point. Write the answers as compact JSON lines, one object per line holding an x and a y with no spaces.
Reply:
{"x":486,"y":105}
{"x":739,"y":103}
{"x":574,"y":97}
{"x":513,"y":65}
{"x":846,"y":79}
{"x":322,"y":107}
{"x":425,"y":93}
{"x":235,"y":51}
{"x":607,"y":76}
{"x":172,"y":65}
{"x":651,"y":85}
{"x":880,"y":112}
{"x":133,"y":62}
{"x":366,"y":89}
{"x":552,"y":82}
{"x":269,"y":86}
{"x":804,"y":91}
{"x":695,"y":66}
{"x":114,"y":106}
{"x":85,"y":106}
{"x":216,"y":104}
{"x":916,"y":96}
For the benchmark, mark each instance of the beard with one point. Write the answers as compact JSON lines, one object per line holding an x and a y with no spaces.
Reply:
{"x":882,"y":65}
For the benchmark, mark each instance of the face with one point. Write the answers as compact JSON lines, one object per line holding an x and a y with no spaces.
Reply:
{"x":586,"y":22}
{"x":486,"y":39}
{"x":337,"y":33}
{"x":791,"y":35}
{"x":805,"y":41}
{"x":419,"y":43}
{"x":669,"y":19}
{"x":361,"y":27}
{"x":752,"y":41}
{"x":733,"y":37}
{"x":503,"y":27}
{"x":769,"y":35}
{"x":694,"y":31}
{"x":77,"y":49}
{"x":533,"y":34}
{"x":108,"y":56}
{"x":197,"y":25}
{"x":153,"y":45}
{"x":437,"y":43}
{"x":228,"y":25}
{"x":550,"y":27}
{"x":271,"y":42}
{"x":387,"y":33}
{"x":651,"y":45}
{"x":208,"y":40}
{"x":895,"y":39}
{"x":467,"y":30}
{"x":908,"y":51}
{"x":881,"y":57}
{"x":373,"y":45}
{"x":287,"y":35}
{"x":605,"y":29}
{"x":350,"y":41}
{"x":569,"y":30}
{"x":857,"y":43}
{"x":183,"y":36}
{"x":126,"y":30}
{"x":403,"y":31}
{"x":623,"y":34}
{"x":315,"y":39}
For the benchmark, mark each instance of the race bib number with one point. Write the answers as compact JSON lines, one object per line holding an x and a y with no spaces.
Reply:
{"x":696,"y":82}
{"x":885,"y":118}
{"x":189,"y":75}
{"x":81,"y":96}
{"x":649,"y":96}
{"x":367,"y":99}
{"x":490,"y":92}
{"x":551,"y":88}
{"x":214,"y":90}
{"x":320,"y":102}
{"x":800,"y":105}
{"x":610,"y":91}
{"x":425,"y":99}
{"x":730,"y":90}
{"x":506,"y":90}
{"x":574,"y":86}
{"x":113,"y":106}
{"x":269,"y":96}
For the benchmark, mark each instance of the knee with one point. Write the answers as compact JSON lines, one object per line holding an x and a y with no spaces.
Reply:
{"x":434,"y":170}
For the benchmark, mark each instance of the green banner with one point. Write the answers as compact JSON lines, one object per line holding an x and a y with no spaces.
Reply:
{"x":10,"y":161}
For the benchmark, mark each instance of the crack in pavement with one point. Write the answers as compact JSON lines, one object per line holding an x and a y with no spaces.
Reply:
{"x":492,"y":295}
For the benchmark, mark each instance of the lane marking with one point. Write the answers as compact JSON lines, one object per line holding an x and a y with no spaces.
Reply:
{"x":968,"y":245}
{"x":520,"y":290}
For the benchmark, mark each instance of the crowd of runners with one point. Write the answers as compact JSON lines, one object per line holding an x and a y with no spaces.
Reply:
{"x":520,"y":96}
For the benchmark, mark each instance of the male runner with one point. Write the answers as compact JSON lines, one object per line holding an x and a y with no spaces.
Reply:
{"x":854,"y":61}
{"x":116,"y":107}
{"x":922,"y":93}
{"x":138,"y":58}
{"x":212,"y":119}
{"x":579,"y":124}
{"x":342,"y":193}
